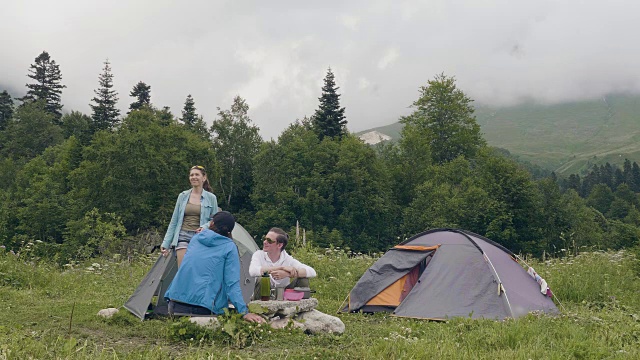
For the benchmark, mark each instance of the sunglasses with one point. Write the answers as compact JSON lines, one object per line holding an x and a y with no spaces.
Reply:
{"x":199,"y":167}
{"x":270,"y":241}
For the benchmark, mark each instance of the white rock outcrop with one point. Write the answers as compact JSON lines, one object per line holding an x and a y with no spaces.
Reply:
{"x":318,"y":322}
{"x":278,"y":323}
{"x":374,"y":137}
{"x":108,"y":313}
{"x":206,"y":321}
{"x":302,"y":313}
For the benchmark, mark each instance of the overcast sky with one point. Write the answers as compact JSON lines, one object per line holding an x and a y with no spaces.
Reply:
{"x":276,"y":53}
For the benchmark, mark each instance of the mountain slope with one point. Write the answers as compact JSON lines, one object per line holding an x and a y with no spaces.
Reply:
{"x":565,"y":137}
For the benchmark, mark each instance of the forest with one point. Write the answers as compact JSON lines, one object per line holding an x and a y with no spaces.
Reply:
{"x":76,"y":186}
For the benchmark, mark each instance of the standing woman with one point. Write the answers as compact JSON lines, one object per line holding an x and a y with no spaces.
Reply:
{"x":194,"y":208}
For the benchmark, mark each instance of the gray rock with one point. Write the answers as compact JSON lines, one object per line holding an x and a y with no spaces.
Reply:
{"x":278,"y":323}
{"x":108,"y":313}
{"x":205,"y":321}
{"x":285,"y":308}
{"x":317,"y":322}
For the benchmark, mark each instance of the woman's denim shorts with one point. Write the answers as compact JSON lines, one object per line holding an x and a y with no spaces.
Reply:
{"x":183,"y":239}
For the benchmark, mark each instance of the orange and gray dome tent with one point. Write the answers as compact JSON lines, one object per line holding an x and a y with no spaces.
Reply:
{"x":445,"y":273}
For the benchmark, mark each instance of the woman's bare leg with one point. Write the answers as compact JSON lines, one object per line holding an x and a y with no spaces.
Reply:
{"x":180,"y":255}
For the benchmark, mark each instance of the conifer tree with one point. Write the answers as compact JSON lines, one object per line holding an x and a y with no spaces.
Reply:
{"x":142,"y":93}
{"x":606,"y":175}
{"x":189,"y":115}
{"x":165,"y":116}
{"x":635,"y":175}
{"x":191,"y":119}
{"x":6,"y":108}
{"x":105,"y":113}
{"x":329,"y":119}
{"x":573,"y":182}
{"x":618,"y":177}
{"x":47,"y":86}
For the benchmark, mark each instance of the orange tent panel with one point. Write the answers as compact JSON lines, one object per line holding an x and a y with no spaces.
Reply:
{"x":391,"y":295}
{"x":416,"y":247}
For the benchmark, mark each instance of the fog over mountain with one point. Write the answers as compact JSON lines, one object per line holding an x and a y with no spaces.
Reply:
{"x":276,"y":53}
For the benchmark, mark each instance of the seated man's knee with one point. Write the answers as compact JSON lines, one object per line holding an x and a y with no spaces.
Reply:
{"x":298,"y":282}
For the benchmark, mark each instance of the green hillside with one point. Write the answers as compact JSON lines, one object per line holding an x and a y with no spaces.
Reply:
{"x":565,"y":137}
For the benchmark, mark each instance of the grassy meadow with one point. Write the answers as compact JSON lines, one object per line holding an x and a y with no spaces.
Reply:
{"x":600,"y":295}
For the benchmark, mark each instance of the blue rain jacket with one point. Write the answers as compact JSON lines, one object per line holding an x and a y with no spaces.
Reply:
{"x":209,"y":275}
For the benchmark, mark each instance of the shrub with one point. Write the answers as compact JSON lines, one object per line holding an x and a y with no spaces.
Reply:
{"x":232,"y":331}
{"x":95,"y":234}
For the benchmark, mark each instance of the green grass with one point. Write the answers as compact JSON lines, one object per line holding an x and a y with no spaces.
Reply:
{"x":600,"y":293}
{"x":567,"y":137}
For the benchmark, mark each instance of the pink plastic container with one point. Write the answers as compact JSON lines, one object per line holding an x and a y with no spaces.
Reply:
{"x":292,"y":295}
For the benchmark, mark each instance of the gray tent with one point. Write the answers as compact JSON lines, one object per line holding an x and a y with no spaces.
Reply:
{"x":445,"y":273}
{"x":148,"y":298}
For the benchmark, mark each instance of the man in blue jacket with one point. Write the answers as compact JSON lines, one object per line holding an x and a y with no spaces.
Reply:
{"x":209,"y":276}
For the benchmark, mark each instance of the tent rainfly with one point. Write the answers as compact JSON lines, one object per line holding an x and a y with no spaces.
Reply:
{"x":148,"y":299}
{"x":444,"y":273}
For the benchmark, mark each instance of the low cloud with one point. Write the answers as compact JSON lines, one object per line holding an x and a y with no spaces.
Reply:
{"x":275,"y":54}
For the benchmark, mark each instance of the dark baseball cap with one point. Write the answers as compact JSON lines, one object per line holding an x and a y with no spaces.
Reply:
{"x":225,"y":222}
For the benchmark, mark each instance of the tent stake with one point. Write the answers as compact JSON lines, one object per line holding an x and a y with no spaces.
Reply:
{"x":71,"y":317}
{"x":343,"y":301}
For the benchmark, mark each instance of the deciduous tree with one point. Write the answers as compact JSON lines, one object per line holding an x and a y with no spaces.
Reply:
{"x":236,"y":141}
{"x":31,"y":130}
{"x":444,"y":116}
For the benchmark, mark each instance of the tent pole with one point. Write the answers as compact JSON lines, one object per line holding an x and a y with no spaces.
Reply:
{"x":500,"y":284}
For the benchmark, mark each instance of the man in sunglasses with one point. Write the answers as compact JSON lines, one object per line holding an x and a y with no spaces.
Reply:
{"x":281,"y":267}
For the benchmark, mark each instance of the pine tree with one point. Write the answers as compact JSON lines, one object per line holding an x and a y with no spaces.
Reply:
{"x":142,"y":93}
{"x":626,"y":169}
{"x":573,"y":182}
{"x":635,"y":175}
{"x":189,"y":116}
{"x":105,"y":113}
{"x":329,"y":119}
{"x":588,"y":182}
{"x":606,"y":175}
{"x":6,"y":109}
{"x":618,"y":177}
{"x":192,"y":120}
{"x":47,"y":87}
{"x":165,"y":116}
